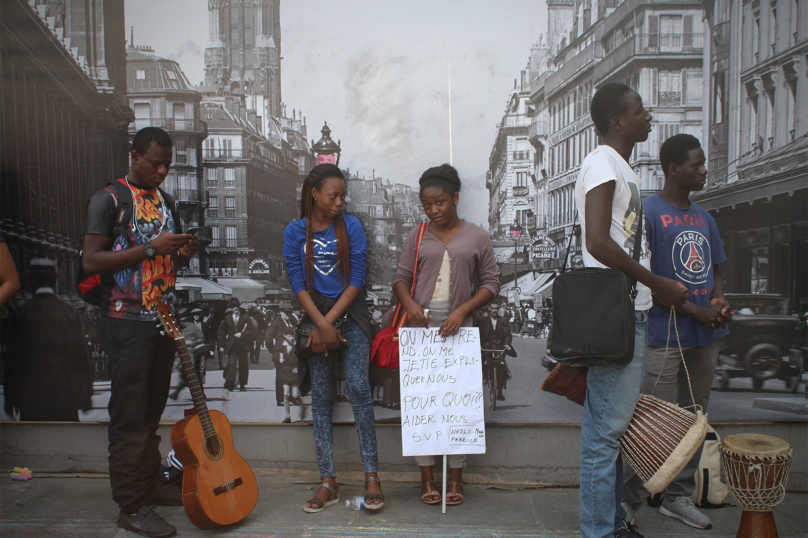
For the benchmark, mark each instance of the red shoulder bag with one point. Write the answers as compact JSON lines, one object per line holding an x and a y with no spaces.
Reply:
{"x":384,"y":352}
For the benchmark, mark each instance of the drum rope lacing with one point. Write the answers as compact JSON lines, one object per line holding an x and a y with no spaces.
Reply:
{"x":666,"y":430}
{"x":651,"y":422}
{"x":672,"y":318}
{"x":758,"y":483}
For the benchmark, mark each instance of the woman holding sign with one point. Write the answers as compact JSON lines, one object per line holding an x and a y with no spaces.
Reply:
{"x":325,"y":255}
{"x":453,"y":254}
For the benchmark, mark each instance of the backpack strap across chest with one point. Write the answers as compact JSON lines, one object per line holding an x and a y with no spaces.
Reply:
{"x":123,"y":211}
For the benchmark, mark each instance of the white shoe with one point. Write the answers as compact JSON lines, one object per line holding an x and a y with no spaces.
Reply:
{"x":685,"y":511}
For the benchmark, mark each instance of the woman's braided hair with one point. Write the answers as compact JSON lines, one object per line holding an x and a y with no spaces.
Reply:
{"x":315,"y":180}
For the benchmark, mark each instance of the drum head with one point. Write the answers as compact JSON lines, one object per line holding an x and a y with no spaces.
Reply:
{"x":754,"y":444}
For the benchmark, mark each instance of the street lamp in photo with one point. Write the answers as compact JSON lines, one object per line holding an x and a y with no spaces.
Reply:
{"x":326,"y":150}
{"x":516,"y":232}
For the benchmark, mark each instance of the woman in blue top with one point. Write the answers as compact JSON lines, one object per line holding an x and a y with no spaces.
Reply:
{"x":325,"y":255}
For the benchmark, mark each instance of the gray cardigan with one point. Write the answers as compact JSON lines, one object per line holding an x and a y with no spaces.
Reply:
{"x":471,"y":258}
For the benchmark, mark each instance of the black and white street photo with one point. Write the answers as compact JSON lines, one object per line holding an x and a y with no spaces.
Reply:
{"x":254,"y":94}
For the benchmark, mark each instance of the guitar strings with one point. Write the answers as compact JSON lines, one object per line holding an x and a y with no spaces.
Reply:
{"x":197,"y":393}
{"x":212,"y":439}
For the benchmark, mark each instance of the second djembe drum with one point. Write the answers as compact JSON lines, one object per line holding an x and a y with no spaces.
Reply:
{"x":756,"y":468}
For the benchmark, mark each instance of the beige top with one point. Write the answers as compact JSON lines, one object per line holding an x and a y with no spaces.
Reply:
{"x":471,"y":258}
{"x":439,"y":305}
{"x":442,"y":291}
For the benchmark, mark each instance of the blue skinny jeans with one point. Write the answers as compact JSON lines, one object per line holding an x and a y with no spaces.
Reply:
{"x":356,"y":359}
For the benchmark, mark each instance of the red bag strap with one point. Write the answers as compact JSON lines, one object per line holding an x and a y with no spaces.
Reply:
{"x":421,"y":233}
{"x":398,"y":319}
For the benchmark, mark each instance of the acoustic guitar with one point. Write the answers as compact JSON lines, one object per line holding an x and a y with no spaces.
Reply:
{"x":218,"y":487}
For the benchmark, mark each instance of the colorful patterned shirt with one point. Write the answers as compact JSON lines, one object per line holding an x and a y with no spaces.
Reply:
{"x":135,"y":290}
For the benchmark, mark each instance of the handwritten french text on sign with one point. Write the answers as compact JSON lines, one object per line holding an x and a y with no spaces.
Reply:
{"x":442,"y":404}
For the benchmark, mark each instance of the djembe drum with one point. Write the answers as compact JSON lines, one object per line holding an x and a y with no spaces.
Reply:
{"x":661,"y":438}
{"x":756,"y":467}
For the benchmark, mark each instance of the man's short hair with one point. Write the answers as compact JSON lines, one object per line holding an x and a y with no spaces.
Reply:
{"x":608,"y":102}
{"x":675,"y":150}
{"x":148,"y":136}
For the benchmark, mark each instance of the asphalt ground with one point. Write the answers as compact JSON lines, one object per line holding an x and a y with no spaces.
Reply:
{"x":83,"y":507}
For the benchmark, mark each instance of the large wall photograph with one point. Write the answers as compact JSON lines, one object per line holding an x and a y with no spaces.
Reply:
{"x":255,"y":93}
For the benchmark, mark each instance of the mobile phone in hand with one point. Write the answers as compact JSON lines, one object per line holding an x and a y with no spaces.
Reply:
{"x":193,"y":230}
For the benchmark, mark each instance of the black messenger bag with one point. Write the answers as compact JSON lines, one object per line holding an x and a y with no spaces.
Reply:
{"x":593,"y":314}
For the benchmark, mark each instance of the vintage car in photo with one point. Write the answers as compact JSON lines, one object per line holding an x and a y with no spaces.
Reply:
{"x":765,"y":342}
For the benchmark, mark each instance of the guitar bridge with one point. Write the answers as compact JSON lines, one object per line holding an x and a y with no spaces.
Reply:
{"x":227,"y":486}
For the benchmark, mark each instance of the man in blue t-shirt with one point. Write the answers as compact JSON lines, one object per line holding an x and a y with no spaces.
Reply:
{"x":685,"y":246}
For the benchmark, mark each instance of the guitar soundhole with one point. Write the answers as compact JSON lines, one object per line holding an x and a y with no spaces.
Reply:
{"x":214,"y":448}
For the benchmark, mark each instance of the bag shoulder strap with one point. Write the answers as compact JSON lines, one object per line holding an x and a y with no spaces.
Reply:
{"x":637,"y":239}
{"x":123,"y":212}
{"x":569,"y":244}
{"x":123,"y":215}
{"x":421,"y":233}
{"x":398,"y":320}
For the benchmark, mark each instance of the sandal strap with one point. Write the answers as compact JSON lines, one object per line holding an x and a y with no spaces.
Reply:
{"x":328,"y":486}
{"x":372,"y":479}
{"x":315,"y":500}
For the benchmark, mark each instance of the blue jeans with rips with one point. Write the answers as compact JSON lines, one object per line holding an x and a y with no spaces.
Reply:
{"x":611,"y":395}
{"x":356,"y":359}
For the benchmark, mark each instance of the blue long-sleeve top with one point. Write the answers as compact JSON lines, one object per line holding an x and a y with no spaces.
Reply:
{"x":326,"y":275}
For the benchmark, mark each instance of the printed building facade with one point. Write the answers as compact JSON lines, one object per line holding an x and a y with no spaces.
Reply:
{"x":758,"y":143}
{"x":63,"y":119}
{"x":250,"y":183}
{"x":656,"y":48}
{"x":245,"y":52}
{"x":161,"y":96}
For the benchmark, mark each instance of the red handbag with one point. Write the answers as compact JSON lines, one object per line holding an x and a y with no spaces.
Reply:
{"x":384,"y":351}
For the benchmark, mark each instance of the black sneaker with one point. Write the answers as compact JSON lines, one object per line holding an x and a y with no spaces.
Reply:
{"x":627,"y":530}
{"x":655,"y":501}
{"x":147,"y":523}
{"x":164,"y":495}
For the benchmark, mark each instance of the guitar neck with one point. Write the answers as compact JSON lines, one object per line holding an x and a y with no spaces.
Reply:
{"x":198,"y":394}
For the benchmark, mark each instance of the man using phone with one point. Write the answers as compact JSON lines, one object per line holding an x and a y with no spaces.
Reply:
{"x":685,"y":246}
{"x":143,"y":262}
{"x":607,"y":194}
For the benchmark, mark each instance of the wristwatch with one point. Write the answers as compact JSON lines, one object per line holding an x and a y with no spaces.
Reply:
{"x":149,"y":249}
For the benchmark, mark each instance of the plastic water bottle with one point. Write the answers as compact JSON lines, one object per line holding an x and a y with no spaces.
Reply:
{"x":357,"y":503}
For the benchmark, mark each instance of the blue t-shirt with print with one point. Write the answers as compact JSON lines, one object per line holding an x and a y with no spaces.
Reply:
{"x":326,"y":275}
{"x":685,"y":246}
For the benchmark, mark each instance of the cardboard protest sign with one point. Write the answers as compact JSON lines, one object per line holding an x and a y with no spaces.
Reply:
{"x":441,"y":392}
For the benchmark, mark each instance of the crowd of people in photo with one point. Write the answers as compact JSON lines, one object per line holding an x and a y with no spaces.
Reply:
{"x":446,"y":279}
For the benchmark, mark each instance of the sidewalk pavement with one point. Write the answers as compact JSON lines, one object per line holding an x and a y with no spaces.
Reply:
{"x":83,"y":507}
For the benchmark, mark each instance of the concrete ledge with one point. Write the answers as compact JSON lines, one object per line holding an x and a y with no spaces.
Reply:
{"x":785,"y":405}
{"x":527,"y":455}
